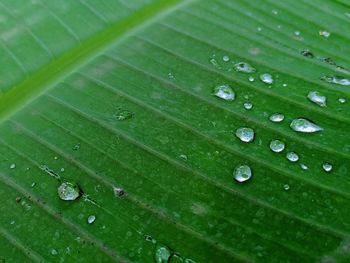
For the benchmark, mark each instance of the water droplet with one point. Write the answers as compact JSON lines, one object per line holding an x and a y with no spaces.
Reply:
{"x":304,"y":166}
{"x":284,"y":84}
{"x":76,"y":147}
{"x":226,"y":58}
{"x":118,"y":191}
{"x":245,"y":134}
{"x":91,"y":219}
{"x":183,"y":157}
{"x":277,"y":117}
{"x":122,"y":114}
{"x":162,"y":254}
{"x":54,"y":252}
{"x":286,"y":187}
{"x":242,"y":173}
{"x":292,"y":156}
{"x":297,"y":33}
{"x":150,"y":239}
{"x":33,"y":184}
{"x":277,"y":146}
{"x":317,"y":98}
{"x":259,"y":29}
{"x":55,"y":158}
{"x":251,"y":79}
{"x":327,"y":167}
{"x":275,"y":12}
{"x":13,"y":166}
{"x":303,"y":125}
{"x":62,"y":170}
{"x":336,"y":80}
{"x":224,"y":92}
{"x":266,"y":78}
{"x":244,"y":67}
{"x":327,"y":60}
{"x":171,"y":76}
{"x":248,"y":106}
{"x":307,"y":53}
{"x":68,"y":191}
{"x":215,"y":63}
{"x":324,"y":33}
{"x":342,"y":100}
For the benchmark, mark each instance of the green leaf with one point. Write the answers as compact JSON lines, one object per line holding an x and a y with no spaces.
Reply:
{"x":115,"y":149}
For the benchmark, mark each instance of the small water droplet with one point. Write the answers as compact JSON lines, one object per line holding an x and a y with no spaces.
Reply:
{"x":292,"y":156}
{"x":183,"y":157}
{"x":304,"y":166}
{"x":56,"y":158}
{"x":91,"y":219}
{"x":122,"y":114}
{"x":284,"y":84}
{"x":13,"y":166}
{"x":317,"y":98}
{"x":215,"y":63}
{"x":251,"y":79}
{"x":33,"y":184}
{"x":68,"y":191}
{"x":305,"y":126}
{"x":54,"y":252}
{"x":342,"y":100}
{"x":297,"y":33}
{"x":76,"y":147}
{"x":307,"y":53}
{"x":324,"y":33}
{"x":245,"y":134}
{"x":276,"y":117}
{"x":242,"y":173}
{"x":248,"y":106}
{"x":224,"y":92}
{"x":275,"y":12}
{"x":62,"y":169}
{"x":226,"y":58}
{"x":277,"y":146}
{"x":150,"y":239}
{"x":327,"y":167}
{"x":286,"y":187}
{"x":171,"y":76}
{"x":327,"y":60}
{"x":162,"y":254}
{"x":244,"y":67}
{"x":266,"y":78}
{"x":259,"y":29}
{"x":118,"y":191}
{"x":336,"y":80}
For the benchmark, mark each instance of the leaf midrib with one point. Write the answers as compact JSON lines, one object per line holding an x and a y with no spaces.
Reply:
{"x":45,"y":78}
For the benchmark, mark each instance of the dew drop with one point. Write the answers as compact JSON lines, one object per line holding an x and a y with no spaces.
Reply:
{"x":248,"y":106}
{"x":336,"y":80}
{"x":224,"y":92}
{"x":183,"y":157}
{"x":342,"y":100}
{"x":118,"y":191}
{"x":122,"y":114}
{"x":162,"y":254}
{"x":242,"y":173}
{"x":297,"y":33}
{"x":215,"y":63}
{"x":54,"y":252}
{"x":244,"y":67}
{"x":275,"y":12}
{"x":307,"y":53}
{"x":266,"y":78}
{"x":327,"y":167}
{"x":226,"y":58}
{"x":305,"y":126}
{"x":317,"y":98}
{"x":13,"y":166}
{"x":304,"y":166}
{"x":286,"y":187}
{"x":259,"y":29}
{"x":150,"y":239}
{"x":284,"y":84}
{"x":292,"y":156}
{"x":277,"y":146}
{"x":91,"y":219}
{"x":245,"y":134}
{"x":251,"y":79}
{"x":324,"y":33}
{"x":276,"y":117}
{"x":76,"y":147}
{"x":328,"y":61}
{"x":171,"y":76}
{"x":68,"y":191}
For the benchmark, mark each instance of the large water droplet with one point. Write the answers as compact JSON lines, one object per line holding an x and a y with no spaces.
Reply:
{"x":327,"y":167}
{"x":307,"y":53}
{"x":303,"y":125}
{"x":162,"y":254}
{"x":324,"y":33}
{"x":242,"y":173}
{"x":277,"y":146}
{"x":68,"y":191}
{"x":224,"y":92}
{"x":244,"y":67}
{"x":266,"y":78}
{"x":336,"y":80}
{"x":122,"y":114}
{"x":91,"y":219}
{"x":292,"y":156}
{"x":317,"y":98}
{"x":245,"y":134}
{"x":248,"y":106}
{"x":276,"y":117}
